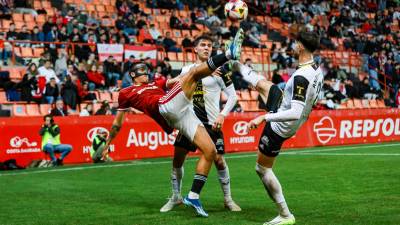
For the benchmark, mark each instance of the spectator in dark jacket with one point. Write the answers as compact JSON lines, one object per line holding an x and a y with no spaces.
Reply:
{"x":59,"y":110}
{"x":51,"y":93}
{"x":169,"y":44}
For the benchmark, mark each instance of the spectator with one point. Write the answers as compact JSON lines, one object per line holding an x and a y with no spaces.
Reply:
{"x":373,"y":65}
{"x":154,"y":32}
{"x":61,"y":65}
{"x":169,"y":44}
{"x":59,"y":109}
{"x":145,"y":36}
{"x":105,"y":109}
{"x":87,"y":111}
{"x":51,"y":142}
{"x":51,"y":93}
{"x":96,"y":78}
{"x":112,"y":71}
{"x":187,"y":42}
{"x":70,"y":91}
{"x":29,"y":83}
{"x":47,"y":71}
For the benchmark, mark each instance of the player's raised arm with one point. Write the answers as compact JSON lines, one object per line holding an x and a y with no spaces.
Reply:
{"x":116,"y":126}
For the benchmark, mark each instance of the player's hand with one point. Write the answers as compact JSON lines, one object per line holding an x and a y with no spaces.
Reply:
{"x":255,"y":123}
{"x":219,"y":122}
{"x":217,"y":72}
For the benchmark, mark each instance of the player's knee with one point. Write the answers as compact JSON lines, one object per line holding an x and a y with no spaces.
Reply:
{"x":274,"y":98}
{"x":219,"y":162}
{"x":210,"y":153}
{"x":261,"y":170}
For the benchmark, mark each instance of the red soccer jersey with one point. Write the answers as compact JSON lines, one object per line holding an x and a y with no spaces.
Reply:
{"x":144,"y":98}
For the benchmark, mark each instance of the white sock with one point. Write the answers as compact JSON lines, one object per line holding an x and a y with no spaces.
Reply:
{"x":193,"y":195}
{"x":176,"y":180}
{"x":248,"y":74}
{"x":274,"y":189}
{"x":224,"y":180}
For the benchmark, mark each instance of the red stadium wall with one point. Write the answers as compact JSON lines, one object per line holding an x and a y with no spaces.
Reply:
{"x":141,"y":137}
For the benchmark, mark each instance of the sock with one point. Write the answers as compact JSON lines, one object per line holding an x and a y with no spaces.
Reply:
{"x":224,"y":180}
{"x":176,"y":180}
{"x":274,"y":189}
{"x":198,"y":183}
{"x":248,"y":74}
{"x":216,"y":61}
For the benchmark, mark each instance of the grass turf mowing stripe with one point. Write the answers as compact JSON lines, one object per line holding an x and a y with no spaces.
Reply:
{"x":243,"y":155}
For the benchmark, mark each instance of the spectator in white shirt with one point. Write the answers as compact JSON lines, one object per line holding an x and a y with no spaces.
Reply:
{"x":154,"y":32}
{"x":47,"y":71}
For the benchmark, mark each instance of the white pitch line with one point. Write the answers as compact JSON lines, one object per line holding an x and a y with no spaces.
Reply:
{"x":141,"y":163}
{"x":345,"y":154}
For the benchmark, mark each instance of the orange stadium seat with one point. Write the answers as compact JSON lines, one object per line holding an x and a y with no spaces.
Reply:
{"x":245,"y":95}
{"x":26,"y":52}
{"x":19,"y":110}
{"x":45,"y":109}
{"x":381,"y":104}
{"x":32,"y":110}
{"x":3,"y":97}
{"x":180,"y":56}
{"x":365,"y":103}
{"x":100,"y":8}
{"x":18,"y":17}
{"x":28,"y":17}
{"x":254,"y":95}
{"x":96,"y":107}
{"x":357,"y":103}
{"x":373,"y":104}
{"x":238,"y":95}
{"x":350,"y":104}
{"x":105,"y":96}
{"x":37,"y":52}
{"x":172,"y":56}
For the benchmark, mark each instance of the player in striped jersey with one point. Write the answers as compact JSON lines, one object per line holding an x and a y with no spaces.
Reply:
{"x":206,"y":102}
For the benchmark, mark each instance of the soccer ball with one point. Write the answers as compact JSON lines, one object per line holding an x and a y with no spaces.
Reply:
{"x":236,"y":10}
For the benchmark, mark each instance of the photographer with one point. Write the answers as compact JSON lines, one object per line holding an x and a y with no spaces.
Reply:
{"x":51,"y":143}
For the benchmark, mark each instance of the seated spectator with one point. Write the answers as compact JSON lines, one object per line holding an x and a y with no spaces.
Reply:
{"x":51,"y":93}
{"x":47,"y":71}
{"x":51,"y":142}
{"x":28,"y":83}
{"x":5,"y":53}
{"x":37,"y":35}
{"x":87,"y":111}
{"x":24,"y":35}
{"x":105,"y":109}
{"x":169,"y":44}
{"x":61,"y":65}
{"x":112,"y":71}
{"x":187,"y":42}
{"x":84,"y":93}
{"x":154,"y":32}
{"x":59,"y":109}
{"x":96,"y":78}
{"x":145,"y":36}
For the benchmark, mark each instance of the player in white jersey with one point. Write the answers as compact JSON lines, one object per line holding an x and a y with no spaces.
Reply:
{"x":300,"y":94}
{"x":206,"y":102}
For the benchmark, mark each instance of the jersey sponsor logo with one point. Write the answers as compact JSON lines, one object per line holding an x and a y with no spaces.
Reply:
{"x":325,"y":129}
{"x":145,"y":89}
{"x":22,"y":145}
{"x":240,"y":128}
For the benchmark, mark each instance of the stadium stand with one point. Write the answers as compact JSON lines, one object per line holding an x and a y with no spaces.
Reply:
{"x":360,"y":47}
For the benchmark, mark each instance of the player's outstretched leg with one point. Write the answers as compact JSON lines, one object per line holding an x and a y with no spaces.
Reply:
{"x":224,"y":180}
{"x":233,"y":51}
{"x":205,"y":144}
{"x":176,"y":179}
{"x":273,"y":187}
{"x":269,"y":92}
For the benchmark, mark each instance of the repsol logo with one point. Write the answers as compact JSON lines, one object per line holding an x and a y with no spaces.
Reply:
{"x":369,"y":128}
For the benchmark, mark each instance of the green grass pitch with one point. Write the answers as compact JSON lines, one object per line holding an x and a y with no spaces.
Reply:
{"x":331,"y":185}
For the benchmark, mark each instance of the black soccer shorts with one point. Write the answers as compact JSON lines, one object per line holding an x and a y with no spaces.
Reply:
{"x":216,"y":136}
{"x":270,"y":143}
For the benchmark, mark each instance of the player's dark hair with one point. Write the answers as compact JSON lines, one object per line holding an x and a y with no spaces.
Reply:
{"x":310,"y":40}
{"x":202,"y":37}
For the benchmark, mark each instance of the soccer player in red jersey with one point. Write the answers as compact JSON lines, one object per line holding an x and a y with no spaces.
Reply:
{"x":174,"y":110}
